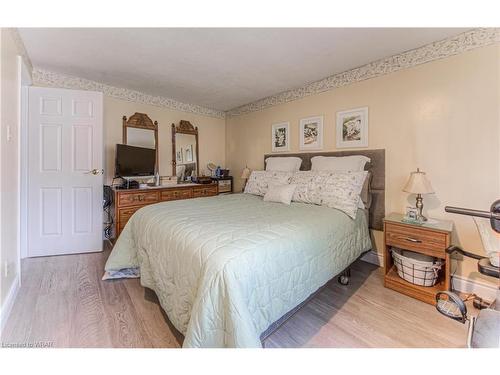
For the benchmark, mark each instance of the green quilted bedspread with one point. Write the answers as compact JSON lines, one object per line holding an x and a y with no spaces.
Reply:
{"x":225,"y":268}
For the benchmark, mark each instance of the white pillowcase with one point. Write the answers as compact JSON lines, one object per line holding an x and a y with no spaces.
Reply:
{"x":340,"y":190}
{"x":283,"y":163}
{"x":280,"y":193}
{"x":306,"y":191}
{"x":310,"y":185}
{"x":353,"y":163}
{"x":259,"y":181}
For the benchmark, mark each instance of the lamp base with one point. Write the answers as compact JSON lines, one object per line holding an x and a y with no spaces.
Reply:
{"x":422,"y":218}
{"x":420,"y":207}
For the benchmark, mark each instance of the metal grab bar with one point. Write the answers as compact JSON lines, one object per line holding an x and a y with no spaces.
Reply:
{"x":472,"y":212}
{"x":493,"y":214}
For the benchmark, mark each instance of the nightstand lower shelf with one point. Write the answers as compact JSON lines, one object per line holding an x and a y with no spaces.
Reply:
{"x":423,"y":293}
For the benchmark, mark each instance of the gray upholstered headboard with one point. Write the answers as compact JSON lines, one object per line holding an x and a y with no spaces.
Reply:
{"x":376,"y":166}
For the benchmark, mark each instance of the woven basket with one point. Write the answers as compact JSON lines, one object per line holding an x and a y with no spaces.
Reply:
{"x":418,"y":272}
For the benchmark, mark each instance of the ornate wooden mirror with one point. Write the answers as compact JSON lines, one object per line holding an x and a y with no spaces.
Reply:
{"x":139,"y":130}
{"x":185,"y":160}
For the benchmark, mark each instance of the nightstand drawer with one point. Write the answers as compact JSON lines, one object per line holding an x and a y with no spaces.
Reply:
{"x":411,"y":238}
{"x":224,"y":186}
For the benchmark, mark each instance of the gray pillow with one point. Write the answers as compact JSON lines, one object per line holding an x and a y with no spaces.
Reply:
{"x":366,"y":191}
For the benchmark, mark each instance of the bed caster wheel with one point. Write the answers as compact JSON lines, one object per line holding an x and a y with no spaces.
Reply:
{"x":344,"y":280}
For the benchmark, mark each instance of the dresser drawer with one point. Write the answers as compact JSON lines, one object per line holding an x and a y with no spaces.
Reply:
{"x":410,"y":238}
{"x":133,"y":199}
{"x":172,"y":195}
{"x":204,"y":191}
{"x":124,"y":215}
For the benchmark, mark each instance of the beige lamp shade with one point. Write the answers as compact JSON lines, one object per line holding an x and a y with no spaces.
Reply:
{"x":418,"y":183}
{"x":246,"y":173}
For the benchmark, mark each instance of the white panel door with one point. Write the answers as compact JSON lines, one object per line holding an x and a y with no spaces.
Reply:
{"x":65,"y":151}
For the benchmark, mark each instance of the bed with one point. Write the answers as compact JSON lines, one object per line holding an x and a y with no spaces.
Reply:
{"x":228,"y":269}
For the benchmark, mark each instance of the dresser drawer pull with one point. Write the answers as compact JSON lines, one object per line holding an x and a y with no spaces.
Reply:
{"x":414,"y":240}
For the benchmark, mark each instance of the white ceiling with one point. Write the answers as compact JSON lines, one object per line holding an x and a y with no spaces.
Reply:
{"x":217,"y":68}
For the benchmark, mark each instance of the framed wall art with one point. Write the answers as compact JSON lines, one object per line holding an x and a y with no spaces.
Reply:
{"x":352,"y":128}
{"x":280,"y":137}
{"x":311,"y":133}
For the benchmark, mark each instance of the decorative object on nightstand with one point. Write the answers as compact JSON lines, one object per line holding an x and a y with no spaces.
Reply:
{"x":426,"y":261}
{"x":419,"y":184}
{"x":411,"y":215}
{"x":245,"y":175}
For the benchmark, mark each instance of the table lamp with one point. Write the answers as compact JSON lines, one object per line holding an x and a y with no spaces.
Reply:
{"x":245,"y":175}
{"x":419,"y":184}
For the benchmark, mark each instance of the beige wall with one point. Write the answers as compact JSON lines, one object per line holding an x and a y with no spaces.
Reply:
{"x":9,"y":160}
{"x":442,"y":116}
{"x":211,"y":133}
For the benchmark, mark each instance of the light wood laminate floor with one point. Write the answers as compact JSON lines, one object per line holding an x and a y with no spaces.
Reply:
{"x":64,"y":303}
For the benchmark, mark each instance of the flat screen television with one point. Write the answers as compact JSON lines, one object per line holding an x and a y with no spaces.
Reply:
{"x":132,"y":161}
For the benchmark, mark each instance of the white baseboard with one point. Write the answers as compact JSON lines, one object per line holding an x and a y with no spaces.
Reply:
{"x":9,"y":302}
{"x":374,"y":258}
{"x":478,"y":287}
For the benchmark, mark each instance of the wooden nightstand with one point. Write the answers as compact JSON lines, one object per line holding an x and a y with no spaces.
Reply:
{"x":430,"y":239}
{"x":225,"y":184}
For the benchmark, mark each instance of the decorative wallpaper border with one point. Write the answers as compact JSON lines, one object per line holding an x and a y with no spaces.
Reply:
{"x":20,"y":47}
{"x":434,"y":51}
{"x":430,"y":52}
{"x":52,"y":79}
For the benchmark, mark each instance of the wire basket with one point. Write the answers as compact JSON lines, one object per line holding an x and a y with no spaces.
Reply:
{"x":418,"y":272}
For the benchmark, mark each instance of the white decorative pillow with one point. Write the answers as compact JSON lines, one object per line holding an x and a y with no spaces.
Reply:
{"x":283,"y":163}
{"x":353,"y":163}
{"x":306,"y":187}
{"x":259,"y":181}
{"x":280,"y":193}
{"x":340,"y":190}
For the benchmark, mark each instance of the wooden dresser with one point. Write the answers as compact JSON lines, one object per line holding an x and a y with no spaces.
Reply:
{"x":127,"y":201}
